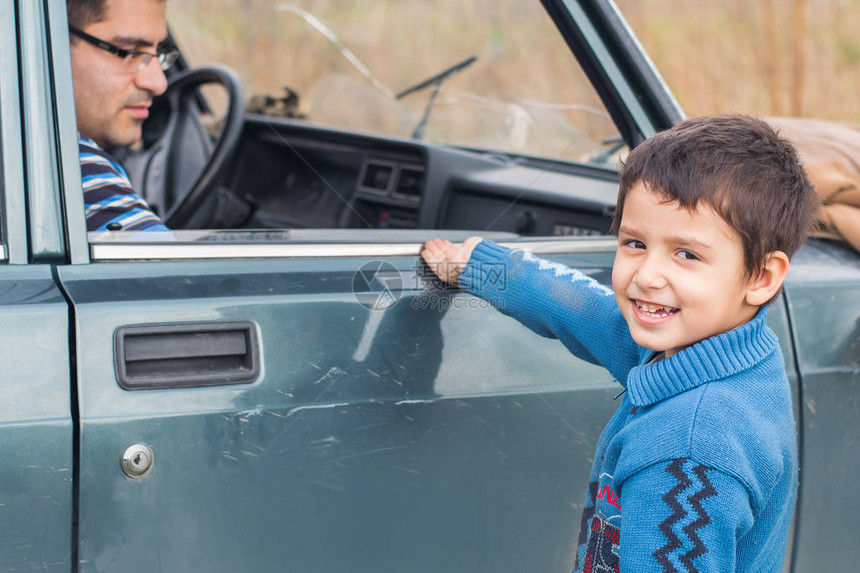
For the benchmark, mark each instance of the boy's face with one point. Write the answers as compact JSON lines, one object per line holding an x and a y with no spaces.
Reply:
{"x":678,"y":275}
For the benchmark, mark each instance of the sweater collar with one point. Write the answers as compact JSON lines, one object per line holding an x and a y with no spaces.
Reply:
{"x":711,"y":359}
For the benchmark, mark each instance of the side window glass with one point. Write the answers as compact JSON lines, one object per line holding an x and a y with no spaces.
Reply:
{"x":505,"y":79}
{"x":358,"y":113}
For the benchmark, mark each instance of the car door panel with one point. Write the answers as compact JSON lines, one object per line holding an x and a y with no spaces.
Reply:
{"x":370,"y":438}
{"x":823,"y":300}
{"x":35,"y":423}
{"x":427,"y":435}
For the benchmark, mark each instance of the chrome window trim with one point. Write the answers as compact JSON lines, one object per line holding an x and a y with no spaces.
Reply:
{"x":13,"y":227}
{"x":180,"y":251}
{"x":3,"y":256}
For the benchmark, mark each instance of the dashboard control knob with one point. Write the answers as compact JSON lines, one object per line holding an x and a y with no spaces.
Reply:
{"x":526,"y":223}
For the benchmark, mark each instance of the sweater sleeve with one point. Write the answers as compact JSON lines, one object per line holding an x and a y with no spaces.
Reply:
{"x":682,"y":516}
{"x":554,"y":301}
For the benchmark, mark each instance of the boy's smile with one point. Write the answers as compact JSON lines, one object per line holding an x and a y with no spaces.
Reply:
{"x":678,"y":274}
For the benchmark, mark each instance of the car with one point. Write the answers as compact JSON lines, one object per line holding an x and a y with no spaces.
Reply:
{"x":278,"y":384}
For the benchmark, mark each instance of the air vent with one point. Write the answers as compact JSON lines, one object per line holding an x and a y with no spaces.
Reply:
{"x":410,"y":184}
{"x":377,"y":177}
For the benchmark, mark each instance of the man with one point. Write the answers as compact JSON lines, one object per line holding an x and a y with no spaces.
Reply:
{"x":118,"y":62}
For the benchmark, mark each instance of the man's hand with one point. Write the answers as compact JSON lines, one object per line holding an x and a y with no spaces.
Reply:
{"x":446,"y":259}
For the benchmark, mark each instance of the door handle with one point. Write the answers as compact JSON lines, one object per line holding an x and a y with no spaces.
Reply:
{"x":186,"y":355}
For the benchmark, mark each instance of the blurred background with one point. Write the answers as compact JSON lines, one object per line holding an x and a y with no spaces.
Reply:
{"x":763,"y":57}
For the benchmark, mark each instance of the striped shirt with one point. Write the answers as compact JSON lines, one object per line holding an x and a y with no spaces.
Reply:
{"x":109,"y":199}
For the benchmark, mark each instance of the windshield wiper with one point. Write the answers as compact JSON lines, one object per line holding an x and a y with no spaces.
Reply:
{"x":614,"y":144}
{"x":436,"y":82}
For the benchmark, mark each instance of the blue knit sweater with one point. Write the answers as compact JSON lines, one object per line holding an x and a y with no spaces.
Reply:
{"x":697,"y":469}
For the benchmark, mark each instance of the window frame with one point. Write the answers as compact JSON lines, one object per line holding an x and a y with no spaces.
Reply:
{"x":81,"y":251}
{"x":13,"y":232}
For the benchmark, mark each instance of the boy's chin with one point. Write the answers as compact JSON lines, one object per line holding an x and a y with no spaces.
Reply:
{"x":649,"y":343}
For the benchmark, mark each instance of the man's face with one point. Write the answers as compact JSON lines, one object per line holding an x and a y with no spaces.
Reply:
{"x":111,"y":104}
{"x":678,"y":275}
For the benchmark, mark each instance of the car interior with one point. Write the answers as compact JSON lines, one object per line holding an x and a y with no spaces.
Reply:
{"x":275,"y":167}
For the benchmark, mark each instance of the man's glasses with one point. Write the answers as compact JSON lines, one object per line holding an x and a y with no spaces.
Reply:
{"x":133,"y":61}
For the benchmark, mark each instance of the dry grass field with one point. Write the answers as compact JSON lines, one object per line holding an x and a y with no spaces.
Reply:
{"x":764,"y":57}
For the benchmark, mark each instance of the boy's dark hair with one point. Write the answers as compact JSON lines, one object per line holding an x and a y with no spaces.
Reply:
{"x":82,"y":13}
{"x":740,"y":166}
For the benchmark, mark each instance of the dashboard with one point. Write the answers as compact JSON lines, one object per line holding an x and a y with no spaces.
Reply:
{"x":301,"y":176}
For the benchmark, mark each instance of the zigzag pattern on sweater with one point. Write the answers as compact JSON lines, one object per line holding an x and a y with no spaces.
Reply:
{"x":692,"y":479}
{"x":560,"y":271}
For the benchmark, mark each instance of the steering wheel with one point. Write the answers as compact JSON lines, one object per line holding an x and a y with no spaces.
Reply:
{"x":179,"y":164}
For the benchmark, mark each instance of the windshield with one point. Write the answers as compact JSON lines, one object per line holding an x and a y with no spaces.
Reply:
{"x":511,"y":85}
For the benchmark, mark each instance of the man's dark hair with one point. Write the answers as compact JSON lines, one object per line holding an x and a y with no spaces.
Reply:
{"x":741,"y":167}
{"x":82,"y":13}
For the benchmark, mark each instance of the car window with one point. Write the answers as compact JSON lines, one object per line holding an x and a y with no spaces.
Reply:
{"x":389,"y":121}
{"x":514,"y":88}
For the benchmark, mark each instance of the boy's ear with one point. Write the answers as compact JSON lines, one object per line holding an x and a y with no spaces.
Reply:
{"x":767,"y":283}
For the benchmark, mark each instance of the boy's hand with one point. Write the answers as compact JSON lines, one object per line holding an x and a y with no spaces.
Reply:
{"x":446,"y":259}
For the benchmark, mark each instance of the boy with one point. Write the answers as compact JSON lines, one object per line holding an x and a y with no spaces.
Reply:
{"x":697,"y":469}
